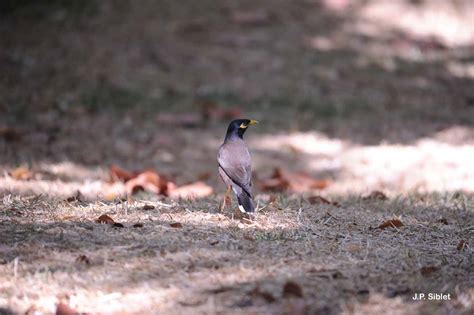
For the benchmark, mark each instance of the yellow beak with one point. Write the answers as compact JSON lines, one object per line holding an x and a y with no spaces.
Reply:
{"x":253,"y":122}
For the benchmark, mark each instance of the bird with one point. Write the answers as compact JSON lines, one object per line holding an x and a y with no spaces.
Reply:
{"x":235,"y":167}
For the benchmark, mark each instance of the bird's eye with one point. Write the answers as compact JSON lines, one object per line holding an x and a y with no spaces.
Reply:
{"x":243,"y":126}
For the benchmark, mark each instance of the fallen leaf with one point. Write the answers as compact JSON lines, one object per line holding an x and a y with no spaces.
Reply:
{"x":9,"y":134}
{"x":77,"y":197}
{"x":320,"y":200}
{"x":194,"y":190}
{"x":119,"y":174}
{"x":215,"y":242}
{"x":212,"y":111}
{"x":292,"y":289}
{"x":64,"y":309}
{"x":282,"y":180}
{"x":21,"y":173}
{"x":83,"y":259}
{"x":375,"y":195}
{"x":274,"y":184}
{"x":258,"y":293}
{"x":105,"y":219}
{"x":426,"y":271}
{"x":462,"y":245}
{"x":148,"y":207}
{"x":148,"y":180}
{"x":176,"y":225}
{"x":394,"y":223}
{"x":138,"y":225}
{"x":118,"y":225}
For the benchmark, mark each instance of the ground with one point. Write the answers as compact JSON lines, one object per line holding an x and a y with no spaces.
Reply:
{"x":345,"y":91}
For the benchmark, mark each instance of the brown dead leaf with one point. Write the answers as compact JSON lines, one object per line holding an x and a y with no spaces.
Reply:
{"x":212,"y":111}
{"x":118,"y":225}
{"x":194,"y":190}
{"x":64,"y":309}
{"x":77,"y":197}
{"x":9,"y":134}
{"x":138,"y":225}
{"x":320,"y":200}
{"x":148,"y":207}
{"x":176,"y":225}
{"x":149,"y":181}
{"x":274,"y":184}
{"x":292,"y":289}
{"x":22,"y":173}
{"x":375,"y":195}
{"x":462,"y":245}
{"x":105,"y":219}
{"x":394,"y":223}
{"x":83,"y":259}
{"x":119,"y":174}
{"x":427,"y":271}
{"x":282,"y":180}
{"x":259,"y":293}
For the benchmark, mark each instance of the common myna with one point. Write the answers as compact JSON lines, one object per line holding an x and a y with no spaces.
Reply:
{"x":234,"y":164}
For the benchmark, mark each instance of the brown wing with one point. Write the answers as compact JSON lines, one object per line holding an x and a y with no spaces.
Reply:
{"x":234,"y":159}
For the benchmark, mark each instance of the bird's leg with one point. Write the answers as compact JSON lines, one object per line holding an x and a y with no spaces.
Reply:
{"x":224,"y":202}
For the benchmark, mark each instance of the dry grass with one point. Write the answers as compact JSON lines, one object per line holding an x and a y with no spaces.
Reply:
{"x":214,"y":263}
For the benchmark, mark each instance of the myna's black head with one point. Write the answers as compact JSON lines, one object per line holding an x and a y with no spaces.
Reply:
{"x":238,"y":127}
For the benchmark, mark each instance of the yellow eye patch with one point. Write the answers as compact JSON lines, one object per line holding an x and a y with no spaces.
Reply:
{"x":243,"y":126}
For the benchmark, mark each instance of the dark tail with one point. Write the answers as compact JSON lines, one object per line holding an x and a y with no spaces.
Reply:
{"x":246,"y":202}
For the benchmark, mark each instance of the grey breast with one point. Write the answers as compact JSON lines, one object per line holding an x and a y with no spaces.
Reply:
{"x":234,"y":158}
